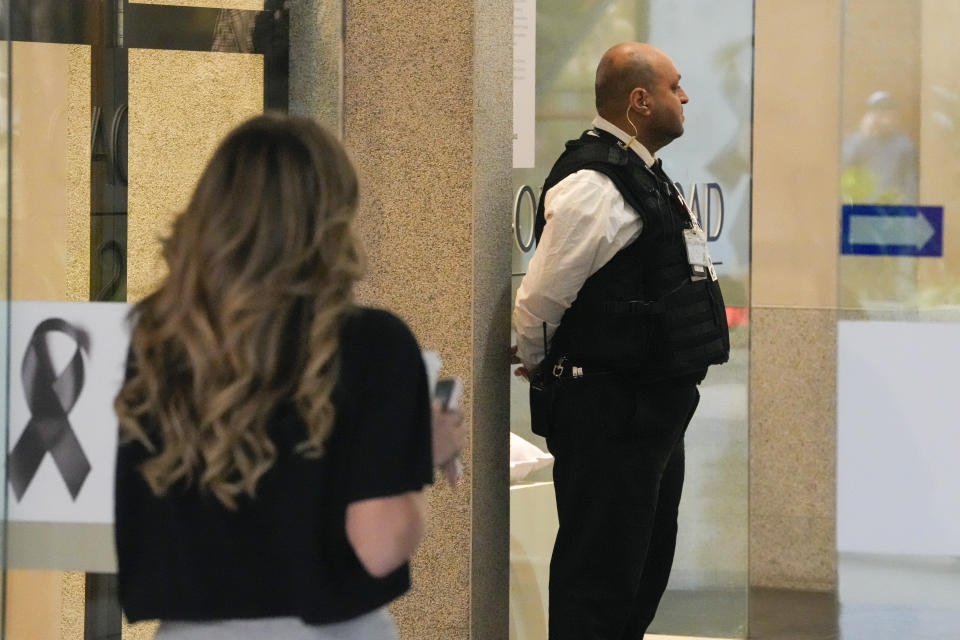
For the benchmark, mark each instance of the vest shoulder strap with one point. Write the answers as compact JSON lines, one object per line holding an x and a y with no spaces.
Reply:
{"x":592,"y":152}
{"x":590,"y":149}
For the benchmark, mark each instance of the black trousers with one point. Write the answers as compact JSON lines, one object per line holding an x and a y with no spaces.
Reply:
{"x":618,"y":476}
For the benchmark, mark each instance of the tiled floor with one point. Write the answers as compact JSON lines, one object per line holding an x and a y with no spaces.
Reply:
{"x":881,"y":598}
{"x":790,"y":615}
{"x":793,"y":615}
{"x":702,"y":613}
{"x":899,"y":597}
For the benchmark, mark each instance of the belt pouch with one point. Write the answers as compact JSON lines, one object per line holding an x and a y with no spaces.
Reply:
{"x":543,"y":396}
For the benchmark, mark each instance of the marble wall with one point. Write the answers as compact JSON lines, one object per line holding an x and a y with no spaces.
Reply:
{"x":182,"y":104}
{"x":427,"y":120}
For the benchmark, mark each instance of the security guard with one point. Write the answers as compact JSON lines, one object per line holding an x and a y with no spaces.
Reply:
{"x":617,"y":319}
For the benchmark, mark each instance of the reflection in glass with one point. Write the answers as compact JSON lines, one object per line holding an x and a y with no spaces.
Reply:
{"x":879,"y":159}
{"x":900,"y":117}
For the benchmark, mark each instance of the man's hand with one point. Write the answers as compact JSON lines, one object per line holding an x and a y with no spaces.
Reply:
{"x":520,"y":371}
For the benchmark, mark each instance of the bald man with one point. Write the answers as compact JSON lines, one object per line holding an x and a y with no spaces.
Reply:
{"x":617,"y":319}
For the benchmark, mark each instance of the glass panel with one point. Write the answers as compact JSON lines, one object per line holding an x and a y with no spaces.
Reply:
{"x":898,"y":527}
{"x":51,"y":173}
{"x":116,"y":108}
{"x":171,"y":140}
{"x":712,"y":47}
{"x":5,"y":93}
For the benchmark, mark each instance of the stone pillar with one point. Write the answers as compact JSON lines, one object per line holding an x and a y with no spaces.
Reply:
{"x":427,"y":120}
{"x":794,"y":293}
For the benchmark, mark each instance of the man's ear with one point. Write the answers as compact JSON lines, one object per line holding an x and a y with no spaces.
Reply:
{"x":640,"y":100}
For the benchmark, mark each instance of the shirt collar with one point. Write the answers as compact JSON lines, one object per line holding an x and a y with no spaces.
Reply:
{"x":605,"y":125}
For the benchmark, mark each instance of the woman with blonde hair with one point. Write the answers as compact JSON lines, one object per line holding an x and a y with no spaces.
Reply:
{"x":275,"y":437}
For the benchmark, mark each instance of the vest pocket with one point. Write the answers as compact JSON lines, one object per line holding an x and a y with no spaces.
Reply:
{"x":614,"y":340}
{"x":694,"y":328}
{"x":543,"y":398}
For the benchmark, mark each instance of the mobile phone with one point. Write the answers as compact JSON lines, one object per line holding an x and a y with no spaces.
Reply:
{"x":448,"y":392}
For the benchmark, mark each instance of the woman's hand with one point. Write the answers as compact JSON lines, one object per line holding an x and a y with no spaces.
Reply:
{"x":449,"y":439}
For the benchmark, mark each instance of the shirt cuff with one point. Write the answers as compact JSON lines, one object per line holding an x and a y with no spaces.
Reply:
{"x":530,"y":354}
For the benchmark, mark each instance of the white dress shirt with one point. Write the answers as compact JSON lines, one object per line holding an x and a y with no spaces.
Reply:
{"x":587,"y":223}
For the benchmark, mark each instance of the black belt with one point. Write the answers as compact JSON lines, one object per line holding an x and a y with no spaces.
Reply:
{"x":563,"y":370}
{"x":634,"y":307}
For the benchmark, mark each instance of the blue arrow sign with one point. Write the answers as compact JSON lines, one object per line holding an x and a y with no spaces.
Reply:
{"x":891,"y":230}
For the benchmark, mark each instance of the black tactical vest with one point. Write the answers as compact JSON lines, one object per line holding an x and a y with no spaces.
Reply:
{"x":641,"y":313}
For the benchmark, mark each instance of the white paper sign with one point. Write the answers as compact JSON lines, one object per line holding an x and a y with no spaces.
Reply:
{"x":524,"y":83}
{"x":67,"y":363}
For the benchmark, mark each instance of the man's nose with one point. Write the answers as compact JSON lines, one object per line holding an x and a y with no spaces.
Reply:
{"x":684,"y":99}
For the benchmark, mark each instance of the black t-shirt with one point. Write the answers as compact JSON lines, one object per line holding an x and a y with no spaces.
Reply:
{"x":184,"y":556}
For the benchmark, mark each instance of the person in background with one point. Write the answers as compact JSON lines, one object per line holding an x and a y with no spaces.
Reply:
{"x":880,"y":167}
{"x":275,"y":437}
{"x":879,"y":159}
{"x":617,"y":319}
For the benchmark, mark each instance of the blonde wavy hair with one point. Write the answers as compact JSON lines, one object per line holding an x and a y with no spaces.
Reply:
{"x":261,"y":269}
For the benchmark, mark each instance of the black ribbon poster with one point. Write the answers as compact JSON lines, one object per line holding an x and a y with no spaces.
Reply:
{"x":50,"y":396}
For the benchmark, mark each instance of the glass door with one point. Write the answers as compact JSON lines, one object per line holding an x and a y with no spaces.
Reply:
{"x":898,"y":525}
{"x":114,"y":108}
{"x":556,"y":50}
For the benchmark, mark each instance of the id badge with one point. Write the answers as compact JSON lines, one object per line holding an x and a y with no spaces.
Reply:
{"x":697,"y":255}
{"x":696,"y":242}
